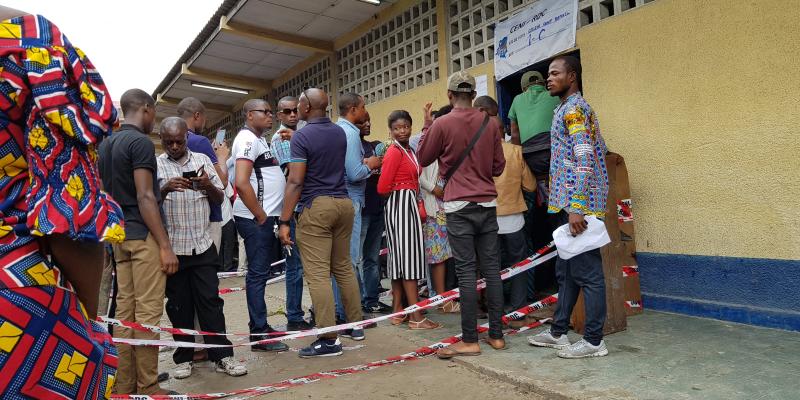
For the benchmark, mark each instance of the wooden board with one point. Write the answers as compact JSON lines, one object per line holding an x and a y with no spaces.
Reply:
{"x":623,"y":295}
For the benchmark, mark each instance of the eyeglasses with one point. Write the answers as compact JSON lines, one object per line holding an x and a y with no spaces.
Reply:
{"x":268,"y":112}
{"x":288,"y":111}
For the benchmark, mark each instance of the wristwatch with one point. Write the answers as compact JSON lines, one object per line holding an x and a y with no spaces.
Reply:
{"x":287,"y":223}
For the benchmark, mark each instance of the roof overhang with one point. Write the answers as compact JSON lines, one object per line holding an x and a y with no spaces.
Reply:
{"x":250,"y":44}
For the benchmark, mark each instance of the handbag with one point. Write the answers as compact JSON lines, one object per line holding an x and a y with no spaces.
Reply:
{"x":466,"y":152}
{"x":423,"y":213}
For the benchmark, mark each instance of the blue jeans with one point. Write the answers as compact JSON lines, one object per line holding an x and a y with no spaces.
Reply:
{"x":258,"y":240}
{"x":372,"y":226}
{"x":584,"y":271}
{"x":294,"y":282}
{"x":355,"y":259}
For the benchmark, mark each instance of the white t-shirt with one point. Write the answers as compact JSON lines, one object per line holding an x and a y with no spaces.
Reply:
{"x":510,"y":223}
{"x":266,"y":179}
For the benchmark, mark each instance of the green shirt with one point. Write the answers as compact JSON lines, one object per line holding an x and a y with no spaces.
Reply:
{"x":532,"y":110}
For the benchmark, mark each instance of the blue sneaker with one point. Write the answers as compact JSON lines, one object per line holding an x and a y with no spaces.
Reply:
{"x":354,"y":334}
{"x":322,"y":348}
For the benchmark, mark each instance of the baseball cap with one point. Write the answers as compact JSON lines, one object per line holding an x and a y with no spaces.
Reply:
{"x":531,"y":78}
{"x":460,"y":78}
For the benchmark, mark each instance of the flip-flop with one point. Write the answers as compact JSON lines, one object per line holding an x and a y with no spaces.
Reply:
{"x":447,"y":353}
{"x":417,"y":325}
{"x":505,"y":345}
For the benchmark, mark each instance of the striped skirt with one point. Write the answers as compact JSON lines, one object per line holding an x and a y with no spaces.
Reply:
{"x":406,"y":258}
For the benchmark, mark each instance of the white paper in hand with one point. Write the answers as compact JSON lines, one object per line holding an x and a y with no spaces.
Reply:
{"x":595,"y":236}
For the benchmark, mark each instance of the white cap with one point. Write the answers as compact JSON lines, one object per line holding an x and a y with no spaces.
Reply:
{"x":594,"y":237}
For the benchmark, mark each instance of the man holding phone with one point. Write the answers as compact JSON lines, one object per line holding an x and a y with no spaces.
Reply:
{"x":189,"y":185}
{"x":260,"y":185}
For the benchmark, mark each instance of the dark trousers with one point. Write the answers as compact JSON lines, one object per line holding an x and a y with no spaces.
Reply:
{"x":513,"y":249}
{"x":472,"y":232}
{"x":372,"y":226}
{"x":294,"y":281}
{"x":584,"y":271}
{"x":229,"y":247}
{"x":258,"y":241}
{"x":194,"y":290}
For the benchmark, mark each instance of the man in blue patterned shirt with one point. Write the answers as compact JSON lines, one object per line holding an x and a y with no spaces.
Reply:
{"x":578,"y":187}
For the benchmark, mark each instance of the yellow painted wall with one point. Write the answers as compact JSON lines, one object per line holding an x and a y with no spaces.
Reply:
{"x":414,"y":100}
{"x":701,"y":99}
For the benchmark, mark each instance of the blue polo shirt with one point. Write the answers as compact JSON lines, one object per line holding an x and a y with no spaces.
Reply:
{"x":322,"y":145}
{"x":201,"y":144}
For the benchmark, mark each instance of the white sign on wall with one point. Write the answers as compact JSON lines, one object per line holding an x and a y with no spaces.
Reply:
{"x":542,"y":30}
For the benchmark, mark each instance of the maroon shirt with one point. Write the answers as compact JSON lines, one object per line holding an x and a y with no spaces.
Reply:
{"x":448,"y":137}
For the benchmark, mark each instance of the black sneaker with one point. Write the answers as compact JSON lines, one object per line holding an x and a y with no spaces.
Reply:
{"x":379,"y":308}
{"x":298,"y":326}
{"x":322,"y":348}
{"x":355,"y":334}
{"x":274,"y":346}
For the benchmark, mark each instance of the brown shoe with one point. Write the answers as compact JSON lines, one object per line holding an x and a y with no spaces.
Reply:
{"x":497,"y":344}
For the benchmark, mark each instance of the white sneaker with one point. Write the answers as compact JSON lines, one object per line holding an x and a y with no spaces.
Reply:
{"x":546,"y":339}
{"x":583,"y":349}
{"x":183,"y":370}
{"x":231,"y":367}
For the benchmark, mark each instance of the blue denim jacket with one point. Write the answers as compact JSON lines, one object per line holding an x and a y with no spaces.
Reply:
{"x":356,"y":172}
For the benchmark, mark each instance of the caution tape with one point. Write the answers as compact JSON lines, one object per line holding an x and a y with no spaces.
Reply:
{"x":236,"y":274}
{"x":318,"y":376}
{"x":633,"y":304}
{"x":630,"y":270}
{"x":276,"y":279}
{"x":518,"y":268}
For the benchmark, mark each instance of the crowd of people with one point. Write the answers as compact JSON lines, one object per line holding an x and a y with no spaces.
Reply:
{"x":318,"y":190}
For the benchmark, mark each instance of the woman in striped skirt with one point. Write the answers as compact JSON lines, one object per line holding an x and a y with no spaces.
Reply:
{"x":400,"y":181}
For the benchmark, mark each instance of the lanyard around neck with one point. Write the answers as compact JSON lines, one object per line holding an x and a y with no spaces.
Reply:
{"x":410,"y":155}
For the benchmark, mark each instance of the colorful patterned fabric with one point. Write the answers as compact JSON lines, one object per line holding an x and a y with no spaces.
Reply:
{"x":437,"y":248}
{"x":54,"y":110}
{"x":578,"y":177}
{"x":49,"y":350}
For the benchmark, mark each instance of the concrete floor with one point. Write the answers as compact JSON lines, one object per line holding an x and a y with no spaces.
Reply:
{"x":660,"y":356}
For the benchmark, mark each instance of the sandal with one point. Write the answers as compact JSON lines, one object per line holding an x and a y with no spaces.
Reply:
{"x":451,"y":307}
{"x":398,"y":320}
{"x":418,"y":325}
{"x":497,"y":344}
{"x":447,"y":353}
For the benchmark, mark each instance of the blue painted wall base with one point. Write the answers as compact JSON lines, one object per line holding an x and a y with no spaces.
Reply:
{"x":755,"y":291}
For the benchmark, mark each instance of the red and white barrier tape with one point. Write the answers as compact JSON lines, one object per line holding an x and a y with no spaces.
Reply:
{"x":518,"y":268}
{"x":236,"y":274}
{"x":311,"y":378}
{"x":630,"y":270}
{"x":633,"y":304}
{"x":242,"y":288}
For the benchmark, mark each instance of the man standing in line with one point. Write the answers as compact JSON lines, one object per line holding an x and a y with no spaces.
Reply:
{"x":287,"y":114}
{"x":316,"y":189}
{"x":259,"y":183}
{"x":469,"y":203}
{"x":352,"y":112}
{"x":531,"y":115}
{"x":511,"y":209}
{"x":578,"y":187}
{"x":194,"y":113}
{"x":193,"y":290}
{"x":128,"y":168}
{"x":372,"y":226}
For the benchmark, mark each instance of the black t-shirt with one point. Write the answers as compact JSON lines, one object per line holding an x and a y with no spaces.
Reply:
{"x":126,"y":150}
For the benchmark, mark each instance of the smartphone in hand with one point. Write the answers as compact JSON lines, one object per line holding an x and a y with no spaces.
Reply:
{"x":220,"y":137}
